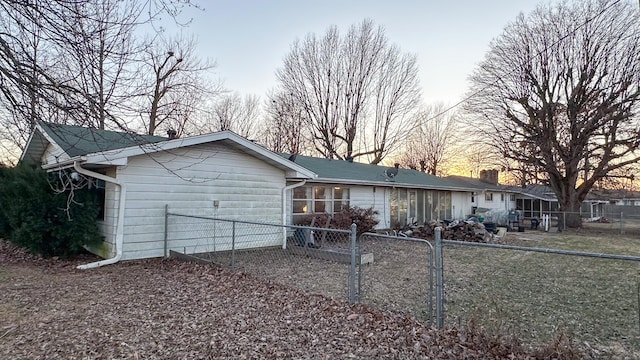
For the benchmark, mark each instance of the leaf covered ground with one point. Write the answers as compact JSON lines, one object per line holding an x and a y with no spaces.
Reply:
{"x":165,"y":309}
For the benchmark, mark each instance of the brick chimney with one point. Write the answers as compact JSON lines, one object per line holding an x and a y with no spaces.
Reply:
{"x":489,"y":176}
{"x":172,"y":134}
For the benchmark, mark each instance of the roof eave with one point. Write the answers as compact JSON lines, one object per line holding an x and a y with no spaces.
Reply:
{"x":388,"y":184}
{"x":64,"y":164}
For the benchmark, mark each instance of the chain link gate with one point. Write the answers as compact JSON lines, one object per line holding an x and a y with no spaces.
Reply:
{"x":396,"y":273}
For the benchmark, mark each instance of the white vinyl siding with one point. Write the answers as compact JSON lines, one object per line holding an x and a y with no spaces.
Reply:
{"x":189,"y":180}
{"x":53,"y":154}
{"x":492,"y":200}
{"x":372,"y":197}
{"x":460,"y":204}
{"x":109,"y":223}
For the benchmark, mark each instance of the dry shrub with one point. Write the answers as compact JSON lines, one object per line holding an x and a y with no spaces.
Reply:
{"x":365,"y":219}
{"x":561,"y":347}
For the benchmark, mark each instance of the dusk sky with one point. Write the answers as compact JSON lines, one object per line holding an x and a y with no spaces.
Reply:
{"x":249,"y":38}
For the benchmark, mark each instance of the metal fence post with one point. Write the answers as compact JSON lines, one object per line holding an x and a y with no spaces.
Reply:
{"x":352,"y":270}
{"x":439,"y":279}
{"x":359,"y":293}
{"x":233,"y":245}
{"x":564,"y":220}
{"x":166,"y":226}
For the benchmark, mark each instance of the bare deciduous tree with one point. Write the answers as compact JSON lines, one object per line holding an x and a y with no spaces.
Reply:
{"x":236,"y":113}
{"x":428,"y":145}
{"x":285,"y":129}
{"x":559,"y":89}
{"x":357,"y":91}
{"x":35,"y":48}
{"x":99,"y":56}
{"x":29,"y":87}
{"x":177,"y":82}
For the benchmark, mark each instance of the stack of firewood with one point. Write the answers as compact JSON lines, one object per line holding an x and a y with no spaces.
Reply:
{"x":458,"y":230}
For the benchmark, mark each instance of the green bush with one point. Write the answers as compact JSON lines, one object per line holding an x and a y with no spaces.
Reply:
{"x":37,"y":218}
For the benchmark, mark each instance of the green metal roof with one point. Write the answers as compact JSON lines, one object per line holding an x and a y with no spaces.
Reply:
{"x":341,"y":171}
{"x":78,"y":140}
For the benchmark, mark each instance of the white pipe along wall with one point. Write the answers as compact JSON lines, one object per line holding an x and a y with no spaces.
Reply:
{"x":120,"y":226}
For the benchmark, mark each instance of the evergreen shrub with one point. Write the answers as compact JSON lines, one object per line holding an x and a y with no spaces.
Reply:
{"x":45,"y":222}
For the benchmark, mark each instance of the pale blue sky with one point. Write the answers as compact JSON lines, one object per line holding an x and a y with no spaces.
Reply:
{"x":249,"y":38}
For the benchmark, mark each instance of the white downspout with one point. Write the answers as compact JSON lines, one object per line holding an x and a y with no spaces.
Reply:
{"x":120,"y":226}
{"x":284,"y":209}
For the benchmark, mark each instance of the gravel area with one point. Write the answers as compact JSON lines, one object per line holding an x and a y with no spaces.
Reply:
{"x":167,"y":309}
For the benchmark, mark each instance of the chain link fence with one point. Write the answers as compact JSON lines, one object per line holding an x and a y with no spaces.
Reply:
{"x":619,"y":222}
{"x":532,"y":293}
{"x":540,"y":294}
{"x":315,"y":260}
{"x":397,"y":273}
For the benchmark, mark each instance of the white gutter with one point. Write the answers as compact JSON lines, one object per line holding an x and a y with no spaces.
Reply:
{"x":120,"y":225}
{"x":284,"y":209}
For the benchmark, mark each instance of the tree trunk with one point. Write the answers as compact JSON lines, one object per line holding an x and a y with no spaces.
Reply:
{"x":570,"y":216}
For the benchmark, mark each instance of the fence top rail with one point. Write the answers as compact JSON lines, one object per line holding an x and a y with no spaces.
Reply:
{"x":260,"y":223}
{"x":423,"y":241}
{"x":544,"y":250}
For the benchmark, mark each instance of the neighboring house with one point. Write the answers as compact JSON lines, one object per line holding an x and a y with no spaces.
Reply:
{"x":611,"y":203}
{"x":619,"y":197}
{"x":488,"y":194}
{"x":400,"y":196}
{"x":535,"y":200}
{"x":625,"y":201}
{"x":219,"y":174}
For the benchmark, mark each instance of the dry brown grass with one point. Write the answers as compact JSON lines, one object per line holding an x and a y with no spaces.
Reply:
{"x":540,"y":297}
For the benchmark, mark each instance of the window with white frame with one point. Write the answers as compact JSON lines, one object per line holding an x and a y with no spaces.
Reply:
{"x":319,"y":199}
{"x":502,"y":197}
{"x":409,"y":205}
{"x":488,"y":196}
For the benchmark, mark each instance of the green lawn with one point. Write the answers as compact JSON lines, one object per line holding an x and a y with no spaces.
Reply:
{"x":536,"y":296}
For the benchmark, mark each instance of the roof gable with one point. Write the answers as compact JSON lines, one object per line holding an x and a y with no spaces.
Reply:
{"x":104,"y":147}
{"x":71,"y":141}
